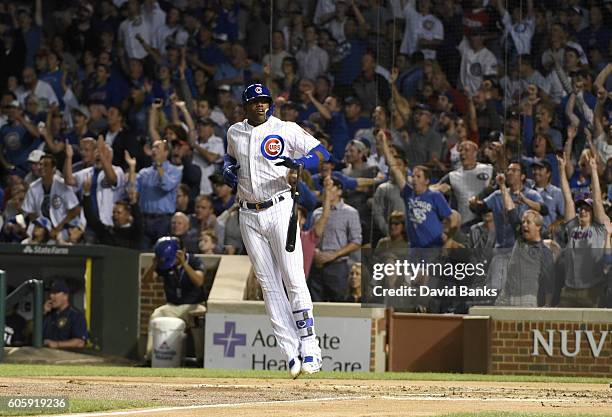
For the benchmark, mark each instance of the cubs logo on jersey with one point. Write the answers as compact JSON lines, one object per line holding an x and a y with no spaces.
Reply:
{"x":272,"y":147}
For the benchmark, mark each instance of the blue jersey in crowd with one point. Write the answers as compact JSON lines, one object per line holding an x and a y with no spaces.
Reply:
{"x":425,"y":213}
{"x":504,"y":232}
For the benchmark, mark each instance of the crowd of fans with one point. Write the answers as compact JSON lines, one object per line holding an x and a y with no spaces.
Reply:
{"x":482,"y":124}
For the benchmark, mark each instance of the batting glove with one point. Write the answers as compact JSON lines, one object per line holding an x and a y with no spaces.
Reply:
{"x":229,"y":174}
{"x":289,"y":163}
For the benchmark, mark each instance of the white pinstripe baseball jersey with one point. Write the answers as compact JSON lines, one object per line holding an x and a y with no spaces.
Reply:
{"x":256,"y":149}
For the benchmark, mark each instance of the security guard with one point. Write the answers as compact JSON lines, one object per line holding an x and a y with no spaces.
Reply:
{"x":64,"y":326}
{"x":183,"y":276}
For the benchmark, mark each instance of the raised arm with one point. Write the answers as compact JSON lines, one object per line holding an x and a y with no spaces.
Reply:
{"x":54,"y":147}
{"x":68,"y":175}
{"x":131,"y":162}
{"x":570,"y":208}
{"x":603,"y":76}
{"x":598,"y":124}
{"x":601,"y":164}
{"x":38,"y":14}
{"x":505,"y":192}
{"x":321,"y":222}
{"x":569,"y":110}
{"x":472,"y":116}
{"x":599,"y":213}
{"x":567,"y":150}
{"x":182,"y":107}
{"x":153,"y":118}
{"x":363,"y":24}
{"x":396,"y":172}
{"x":401,"y":103}
{"x":106,"y":158}
{"x":320,"y":107}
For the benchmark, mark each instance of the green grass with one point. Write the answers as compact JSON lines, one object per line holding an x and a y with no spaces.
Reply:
{"x":514,"y":414}
{"x":12,"y":370}
{"x":78,"y":405}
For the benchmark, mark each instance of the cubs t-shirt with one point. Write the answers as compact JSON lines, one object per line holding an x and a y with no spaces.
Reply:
{"x":584,"y":255}
{"x":425,"y":213}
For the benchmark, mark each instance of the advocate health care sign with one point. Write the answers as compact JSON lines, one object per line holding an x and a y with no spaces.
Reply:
{"x":241,"y":341}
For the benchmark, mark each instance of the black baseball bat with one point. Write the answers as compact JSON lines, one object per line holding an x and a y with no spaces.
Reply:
{"x":292,"y":230}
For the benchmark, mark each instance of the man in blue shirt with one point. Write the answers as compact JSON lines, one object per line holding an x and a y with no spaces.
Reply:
{"x":157,"y":186}
{"x":183,"y":277}
{"x":336,"y":127}
{"x":354,"y":119}
{"x":427,"y":212}
{"x":17,"y":139}
{"x":524,"y":198}
{"x":552,"y":196}
{"x":63,"y":326}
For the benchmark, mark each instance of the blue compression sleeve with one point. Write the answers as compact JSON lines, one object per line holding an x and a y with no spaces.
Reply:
{"x":316,"y":154}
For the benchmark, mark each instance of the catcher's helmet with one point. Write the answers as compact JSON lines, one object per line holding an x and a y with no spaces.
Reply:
{"x":254,"y":91}
{"x":165,"y":251}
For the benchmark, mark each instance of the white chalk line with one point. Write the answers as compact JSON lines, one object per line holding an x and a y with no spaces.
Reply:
{"x":203,"y":406}
{"x":424,"y":397}
{"x":430,"y":397}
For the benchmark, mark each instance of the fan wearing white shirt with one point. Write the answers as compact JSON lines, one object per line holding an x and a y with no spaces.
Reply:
{"x":107,"y":180}
{"x":423,"y":31}
{"x":41,"y":90}
{"x":170,"y":33}
{"x":476,"y":61}
{"x":518,"y":29}
{"x":208,"y":151}
{"x":132,"y":29}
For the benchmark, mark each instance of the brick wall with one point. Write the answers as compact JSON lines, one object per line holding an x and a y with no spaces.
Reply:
{"x":512,"y":347}
{"x":378,"y":326}
{"x":151,"y":296}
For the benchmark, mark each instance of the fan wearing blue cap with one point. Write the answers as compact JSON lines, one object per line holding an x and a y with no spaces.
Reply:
{"x":64,"y":326}
{"x":39,"y":232}
{"x":183,"y":276}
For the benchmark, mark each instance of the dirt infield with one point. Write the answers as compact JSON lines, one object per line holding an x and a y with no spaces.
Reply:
{"x":276,"y":397}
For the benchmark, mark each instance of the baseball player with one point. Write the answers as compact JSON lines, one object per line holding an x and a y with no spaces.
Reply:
{"x":260,"y":152}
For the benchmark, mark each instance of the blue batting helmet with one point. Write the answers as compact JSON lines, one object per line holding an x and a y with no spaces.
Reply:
{"x":254,"y":91}
{"x":165,"y":251}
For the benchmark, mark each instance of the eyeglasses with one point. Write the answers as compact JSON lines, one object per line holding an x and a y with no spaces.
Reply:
{"x":396,"y":223}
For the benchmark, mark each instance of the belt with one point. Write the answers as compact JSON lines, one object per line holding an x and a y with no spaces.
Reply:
{"x":262,"y":205}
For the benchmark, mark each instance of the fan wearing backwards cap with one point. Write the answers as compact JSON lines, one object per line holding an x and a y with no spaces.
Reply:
{"x":183,"y":276}
{"x":586,"y":224}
